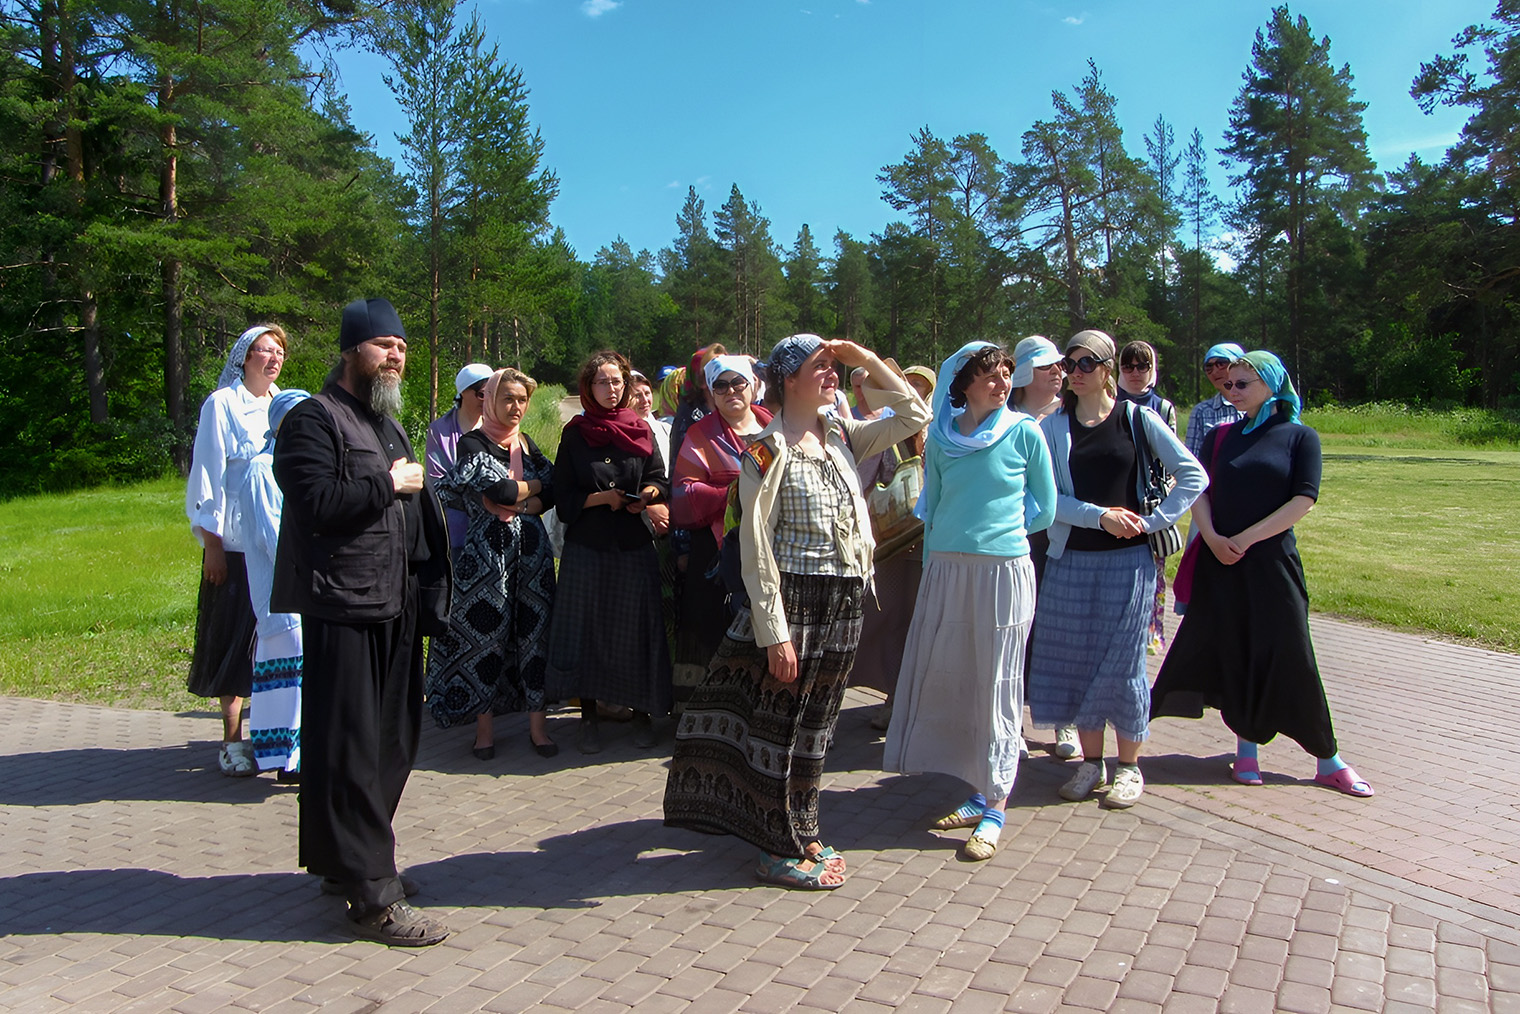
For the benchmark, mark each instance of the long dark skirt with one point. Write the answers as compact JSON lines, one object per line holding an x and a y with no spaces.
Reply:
{"x":607,"y":635}
{"x":222,"y":665}
{"x":888,"y":615}
{"x":749,"y":750}
{"x":1244,"y":648}
{"x":703,"y":618}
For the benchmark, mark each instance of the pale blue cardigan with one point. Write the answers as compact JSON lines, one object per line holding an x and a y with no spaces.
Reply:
{"x":1071,"y":513}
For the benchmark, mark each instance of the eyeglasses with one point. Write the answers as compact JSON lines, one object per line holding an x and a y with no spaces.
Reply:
{"x":1086,"y":364}
{"x":1238,"y":384}
{"x":725,"y":386}
{"x":1216,"y":364}
{"x":1136,"y":367}
{"x":274,"y":352}
{"x":478,"y":391}
{"x":614,"y":382}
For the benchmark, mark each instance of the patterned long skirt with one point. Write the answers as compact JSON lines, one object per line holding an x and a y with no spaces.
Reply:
{"x":274,"y":709}
{"x":749,"y":750}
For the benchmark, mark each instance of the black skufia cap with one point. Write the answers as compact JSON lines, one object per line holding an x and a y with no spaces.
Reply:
{"x":364,"y":319}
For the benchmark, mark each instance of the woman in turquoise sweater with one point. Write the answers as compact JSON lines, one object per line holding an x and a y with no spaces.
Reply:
{"x":988,"y":483}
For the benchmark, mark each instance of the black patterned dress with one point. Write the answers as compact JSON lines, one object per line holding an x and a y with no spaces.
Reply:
{"x":494,"y":656}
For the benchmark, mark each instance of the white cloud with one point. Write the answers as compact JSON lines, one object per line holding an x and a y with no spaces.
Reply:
{"x":1400,"y":149}
{"x":1070,"y":20}
{"x":672,"y":185}
{"x":596,"y":8}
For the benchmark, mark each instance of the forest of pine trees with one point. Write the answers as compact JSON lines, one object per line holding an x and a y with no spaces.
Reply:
{"x":172,"y":171}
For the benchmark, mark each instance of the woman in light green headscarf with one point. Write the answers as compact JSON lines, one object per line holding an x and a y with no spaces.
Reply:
{"x":1244,"y":645}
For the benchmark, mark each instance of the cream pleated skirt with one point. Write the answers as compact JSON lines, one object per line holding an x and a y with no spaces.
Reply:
{"x":959,"y":705}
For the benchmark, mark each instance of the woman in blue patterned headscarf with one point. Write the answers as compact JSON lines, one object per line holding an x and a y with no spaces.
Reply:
{"x":1244,"y":645}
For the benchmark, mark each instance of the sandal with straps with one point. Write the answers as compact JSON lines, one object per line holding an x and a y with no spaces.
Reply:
{"x":832,"y":859}
{"x":783,"y":872}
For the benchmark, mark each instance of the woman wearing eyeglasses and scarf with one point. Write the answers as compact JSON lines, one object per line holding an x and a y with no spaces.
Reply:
{"x":1244,"y":645}
{"x":1088,"y":666}
{"x":750,"y":747}
{"x":707,"y":464}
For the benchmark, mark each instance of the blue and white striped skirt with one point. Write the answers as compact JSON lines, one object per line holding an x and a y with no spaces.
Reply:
{"x":1088,"y":664}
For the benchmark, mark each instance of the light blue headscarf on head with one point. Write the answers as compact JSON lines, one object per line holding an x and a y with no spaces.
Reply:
{"x":232,"y":369}
{"x":278,"y":407}
{"x":1228,"y":351}
{"x":944,"y":434}
{"x":1272,"y":373}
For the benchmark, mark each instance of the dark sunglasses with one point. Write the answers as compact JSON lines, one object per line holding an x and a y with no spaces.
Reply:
{"x":1216,"y":364}
{"x":1086,"y":364}
{"x":725,"y":386}
{"x":1135,"y":367}
{"x":1231,"y":384}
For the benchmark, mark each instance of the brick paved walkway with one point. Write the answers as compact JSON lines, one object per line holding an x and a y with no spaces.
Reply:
{"x":135,"y":878}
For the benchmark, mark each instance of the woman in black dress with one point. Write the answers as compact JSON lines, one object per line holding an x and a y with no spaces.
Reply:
{"x":607,"y":637}
{"x":1244,"y":645}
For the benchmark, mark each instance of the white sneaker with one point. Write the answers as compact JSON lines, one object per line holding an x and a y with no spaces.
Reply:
{"x":236,"y":760}
{"x":1089,"y":778}
{"x":1127,"y":788}
{"x":1067,"y":744}
{"x":1023,"y":749}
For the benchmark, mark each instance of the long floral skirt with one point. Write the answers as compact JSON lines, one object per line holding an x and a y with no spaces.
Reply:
{"x":749,"y":750}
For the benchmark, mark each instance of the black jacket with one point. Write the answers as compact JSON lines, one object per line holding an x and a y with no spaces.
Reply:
{"x":345,"y":547}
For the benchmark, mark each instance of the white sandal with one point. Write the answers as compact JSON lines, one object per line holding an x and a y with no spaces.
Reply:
{"x":236,"y":760}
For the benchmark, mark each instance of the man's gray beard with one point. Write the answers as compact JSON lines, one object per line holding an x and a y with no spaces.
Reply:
{"x":385,"y":395}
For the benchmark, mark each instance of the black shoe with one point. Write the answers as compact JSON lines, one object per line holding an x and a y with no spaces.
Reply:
{"x":484,"y":753}
{"x":287,"y":777}
{"x":401,"y":925}
{"x":590,"y":737}
{"x":544,"y":749}
{"x":643,"y":730}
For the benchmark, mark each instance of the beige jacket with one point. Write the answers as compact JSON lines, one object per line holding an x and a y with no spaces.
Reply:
{"x":758,"y":495}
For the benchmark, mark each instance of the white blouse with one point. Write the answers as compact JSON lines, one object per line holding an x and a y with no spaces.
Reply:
{"x":233,"y":427}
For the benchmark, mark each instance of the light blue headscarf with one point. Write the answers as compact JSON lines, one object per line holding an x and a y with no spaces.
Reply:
{"x":1228,"y":351}
{"x":1272,"y":373}
{"x":943,"y":433}
{"x":278,"y":407}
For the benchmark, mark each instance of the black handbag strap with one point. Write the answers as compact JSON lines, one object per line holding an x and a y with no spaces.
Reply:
{"x":1142,"y":446}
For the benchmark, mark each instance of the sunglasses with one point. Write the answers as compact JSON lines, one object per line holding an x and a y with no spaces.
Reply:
{"x":1216,"y":364}
{"x":725,"y":386}
{"x":1236,"y":384}
{"x":1136,"y":367}
{"x":1086,"y":364}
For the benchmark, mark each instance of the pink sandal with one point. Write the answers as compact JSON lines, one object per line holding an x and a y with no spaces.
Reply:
{"x":1346,"y":780}
{"x":1246,"y":771}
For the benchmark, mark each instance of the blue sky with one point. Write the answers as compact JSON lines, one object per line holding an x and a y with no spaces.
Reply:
{"x":801,"y":102}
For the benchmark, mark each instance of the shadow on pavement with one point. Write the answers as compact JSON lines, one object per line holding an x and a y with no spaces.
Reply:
{"x":96,"y":774}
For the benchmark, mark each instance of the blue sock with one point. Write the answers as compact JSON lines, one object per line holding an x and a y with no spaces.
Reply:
{"x":977,"y":799}
{"x":1245,"y":749}
{"x":990,"y":827}
{"x":991,"y":816}
{"x":1330,"y":765}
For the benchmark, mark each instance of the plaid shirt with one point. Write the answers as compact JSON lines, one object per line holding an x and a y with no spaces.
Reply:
{"x":1205,"y":416}
{"x":814,"y":515}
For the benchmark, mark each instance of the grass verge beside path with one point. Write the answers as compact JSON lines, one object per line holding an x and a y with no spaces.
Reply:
{"x":1428,"y":540}
{"x":97,"y":596}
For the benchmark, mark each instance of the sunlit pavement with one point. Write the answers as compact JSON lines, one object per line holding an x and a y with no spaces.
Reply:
{"x":137,"y":878}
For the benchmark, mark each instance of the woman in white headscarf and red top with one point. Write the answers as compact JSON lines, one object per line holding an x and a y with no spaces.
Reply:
{"x":1244,"y":645}
{"x":607,"y":638}
{"x":705,"y":468}
{"x":233,"y":424}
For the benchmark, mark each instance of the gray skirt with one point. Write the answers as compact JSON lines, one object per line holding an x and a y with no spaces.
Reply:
{"x":959,"y":704}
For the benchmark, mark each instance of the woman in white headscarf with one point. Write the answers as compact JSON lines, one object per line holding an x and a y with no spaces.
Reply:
{"x":274,"y":707}
{"x":234,"y":420}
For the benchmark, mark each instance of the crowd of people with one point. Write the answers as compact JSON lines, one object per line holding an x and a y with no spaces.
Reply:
{"x":729,"y":554}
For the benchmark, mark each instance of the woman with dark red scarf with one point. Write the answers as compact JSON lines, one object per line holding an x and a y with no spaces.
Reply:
{"x":607,"y":637}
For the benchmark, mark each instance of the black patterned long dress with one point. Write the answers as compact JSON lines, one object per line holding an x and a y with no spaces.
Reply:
{"x":493,"y":658}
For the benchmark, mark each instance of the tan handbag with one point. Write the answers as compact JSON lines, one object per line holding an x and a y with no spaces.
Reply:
{"x":890,"y":505}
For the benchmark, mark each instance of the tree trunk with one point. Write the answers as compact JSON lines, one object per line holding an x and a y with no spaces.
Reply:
{"x":171,"y":273}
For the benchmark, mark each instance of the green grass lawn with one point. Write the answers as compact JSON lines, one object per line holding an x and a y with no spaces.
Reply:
{"x":97,"y":599}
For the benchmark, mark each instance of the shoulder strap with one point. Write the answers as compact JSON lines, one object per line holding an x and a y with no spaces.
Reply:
{"x":1142,"y":445}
